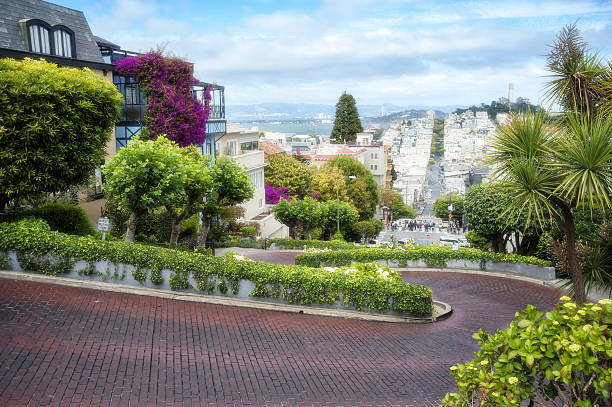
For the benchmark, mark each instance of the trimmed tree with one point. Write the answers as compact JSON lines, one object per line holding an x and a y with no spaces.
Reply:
{"x":343,"y":211}
{"x":307,"y":214}
{"x":230,"y":186}
{"x":362,"y":190}
{"x":287,"y":171}
{"x":142,"y":176}
{"x":54,"y":126}
{"x":441,"y":206}
{"x":347,"y":123}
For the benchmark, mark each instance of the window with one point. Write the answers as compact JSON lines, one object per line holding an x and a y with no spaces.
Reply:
{"x":256,"y":179}
{"x":230,"y":148}
{"x":250,"y":146}
{"x":63,"y":42}
{"x":38,"y":36}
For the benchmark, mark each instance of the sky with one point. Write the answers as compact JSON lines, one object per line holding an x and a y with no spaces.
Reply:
{"x":404,"y":52}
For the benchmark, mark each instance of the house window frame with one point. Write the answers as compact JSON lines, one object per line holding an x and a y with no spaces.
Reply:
{"x":40,"y":23}
{"x":63,"y":29}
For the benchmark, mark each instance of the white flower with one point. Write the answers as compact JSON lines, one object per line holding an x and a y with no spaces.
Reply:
{"x":330,"y":269}
{"x":385,"y":274}
{"x":574,"y":347}
{"x":513,"y":380}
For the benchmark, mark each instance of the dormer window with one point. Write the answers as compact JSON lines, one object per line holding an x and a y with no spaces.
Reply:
{"x":38,"y":33}
{"x":55,"y":40}
{"x":63,"y":42}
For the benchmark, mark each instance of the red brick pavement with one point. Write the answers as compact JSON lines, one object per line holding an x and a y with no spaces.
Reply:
{"x":66,"y":346}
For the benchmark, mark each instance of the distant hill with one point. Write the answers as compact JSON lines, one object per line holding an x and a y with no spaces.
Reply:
{"x":293,"y":111}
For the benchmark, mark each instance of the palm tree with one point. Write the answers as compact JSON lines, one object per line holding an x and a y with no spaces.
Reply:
{"x":548,"y":169}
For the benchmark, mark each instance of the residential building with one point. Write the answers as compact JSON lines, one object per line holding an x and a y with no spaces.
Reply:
{"x":243,"y":147}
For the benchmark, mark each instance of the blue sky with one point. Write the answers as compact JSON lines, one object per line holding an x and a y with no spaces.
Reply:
{"x":406,"y":52}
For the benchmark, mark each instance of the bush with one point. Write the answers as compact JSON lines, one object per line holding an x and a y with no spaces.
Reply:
{"x":433,"y":255}
{"x":478,"y":241}
{"x":295,"y":284}
{"x":248,"y":231}
{"x":563,"y":357}
{"x":339,"y":236}
{"x":293,"y":244}
{"x":190,"y":225}
{"x":65,"y":218}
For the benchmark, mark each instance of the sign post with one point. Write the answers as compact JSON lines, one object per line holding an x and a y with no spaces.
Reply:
{"x":103,"y":226}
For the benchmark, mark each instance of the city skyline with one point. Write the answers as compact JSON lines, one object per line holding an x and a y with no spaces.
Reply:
{"x":400,"y":52}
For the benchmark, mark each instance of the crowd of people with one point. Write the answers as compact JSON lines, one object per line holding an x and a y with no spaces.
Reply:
{"x":413,"y":225}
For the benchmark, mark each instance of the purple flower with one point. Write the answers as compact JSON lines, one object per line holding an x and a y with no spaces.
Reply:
{"x":274,"y":195}
{"x":171,"y":108}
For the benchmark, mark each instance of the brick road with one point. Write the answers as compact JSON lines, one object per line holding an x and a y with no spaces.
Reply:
{"x":65,"y":346}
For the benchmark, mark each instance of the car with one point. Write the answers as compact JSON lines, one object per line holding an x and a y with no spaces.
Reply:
{"x":449,"y":241}
{"x":463,"y":242}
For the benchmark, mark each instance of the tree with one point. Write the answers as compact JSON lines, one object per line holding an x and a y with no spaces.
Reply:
{"x":441,"y":206}
{"x":342,"y":212}
{"x":329,"y":183}
{"x":347,"y":123}
{"x":364,"y":229}
{"x":549,"y":168}
{"x":307,"y":214}
{"x":394,"y":201}
{"x":230,"y":186}
{"x":197,"y":184}
{"x":362,"y":190}
{"x":286,"y":171}
{"x":142,"y":176}
{"x":54,"y":126}
{"x":484,"y":207}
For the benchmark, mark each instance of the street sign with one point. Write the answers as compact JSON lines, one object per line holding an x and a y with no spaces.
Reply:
{"x":427,"y":236}
{"x":103,"y":226}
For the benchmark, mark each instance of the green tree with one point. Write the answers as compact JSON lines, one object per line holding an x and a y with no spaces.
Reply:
{"x":54,"y":126}
{"x":307,"y":214}
{"x":230,"y":186}
{"x":329,"y":183}
{"x":287,"y":171}
{"x":197,"y":184}
{"x":484,"y":207}
{"x":142,"y":176}
{"x":364,"y":229}
{"x":342,"y":212}
{"x":551,"y":169}
{"x":362,"y":190}
{"x":347,"y":123}
{"x":441,"y":206}
{"x":394,"y":201}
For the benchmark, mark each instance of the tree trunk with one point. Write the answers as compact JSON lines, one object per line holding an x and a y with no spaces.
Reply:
{"x":203,"y":233}
{"x":175,"y":230}
{"x":569,"y":228}
{"x":130,"y":233}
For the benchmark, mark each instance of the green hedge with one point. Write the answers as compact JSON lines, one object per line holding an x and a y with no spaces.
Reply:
{"x":65,"y":218}
{"x":434,"y":256}
{"x":295,"y":284}
{"x":292,"y":244}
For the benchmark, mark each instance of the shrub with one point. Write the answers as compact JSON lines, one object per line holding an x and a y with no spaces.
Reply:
{"x":433,"y":255}
{"x":65,"y":218}
{"x":478,"y":241}
{"x":292,"y":244}
{"x":563,"y":357}
{"x":339,"y":236}
{"x":295,"y":284}
{"x":248,"y":231}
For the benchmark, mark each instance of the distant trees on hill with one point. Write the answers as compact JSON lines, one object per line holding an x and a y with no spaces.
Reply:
{"x":501,"y":106}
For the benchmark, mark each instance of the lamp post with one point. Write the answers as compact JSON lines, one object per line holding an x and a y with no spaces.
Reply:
{"x":338,"y":200}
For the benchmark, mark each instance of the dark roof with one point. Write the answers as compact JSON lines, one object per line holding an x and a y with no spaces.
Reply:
{"x":12,"y":11}
{"x":105,"y":43}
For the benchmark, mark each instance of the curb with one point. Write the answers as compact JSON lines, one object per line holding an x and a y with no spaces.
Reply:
{"x":441,"y":310}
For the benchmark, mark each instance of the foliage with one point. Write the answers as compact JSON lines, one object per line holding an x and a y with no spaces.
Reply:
{"x":346,"y":123}
{"x":144,"y":175}
{"x":394,"y":201}
{"x":248,"y":231}
{"x":295,"y":284}
{"x":441,"y":206}
{"x":363,"y":190}
{"x":55,"y":126}
{"x":335,"y":210}
{"x":286,"y":171}
{"x":172,"y":111}
{"x":562,"y":357}
{"x":329,"y":183}
{"x":478,"y":241}
{"x":294,"y":244}
{"x":433,"y":255}
{"x":364,"y":229}
{"x":65,"y":218}
{"x":307,"y":213}
{"x":521,"y":105}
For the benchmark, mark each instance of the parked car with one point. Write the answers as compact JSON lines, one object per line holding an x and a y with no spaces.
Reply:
{"x":463,"y":242}
{"x":449,"y":240}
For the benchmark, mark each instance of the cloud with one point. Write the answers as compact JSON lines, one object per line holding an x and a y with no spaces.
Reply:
{"x":398,"y":51}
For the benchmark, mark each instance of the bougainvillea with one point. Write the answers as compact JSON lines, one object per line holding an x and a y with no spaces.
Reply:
{"x":171,"y":107}
{"x":273,"y":195}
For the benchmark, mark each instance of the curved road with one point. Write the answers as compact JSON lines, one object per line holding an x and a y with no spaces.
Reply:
{"x":62,"y":345}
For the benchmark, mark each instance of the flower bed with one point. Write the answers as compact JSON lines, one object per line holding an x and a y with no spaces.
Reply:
{"x":433,"y":256}
{"x":40,"y":250}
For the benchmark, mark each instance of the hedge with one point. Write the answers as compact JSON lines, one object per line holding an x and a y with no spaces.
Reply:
{"x":293,"y":244}
{"x":33,"y":241}
{"x":434,"y":256}
{"x":65,"y":218}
